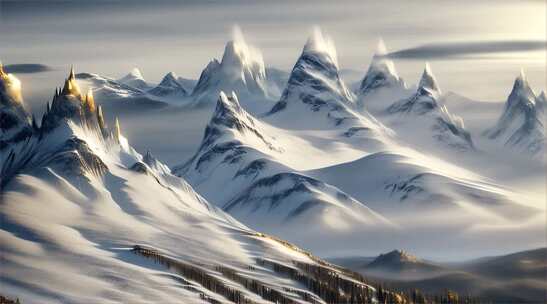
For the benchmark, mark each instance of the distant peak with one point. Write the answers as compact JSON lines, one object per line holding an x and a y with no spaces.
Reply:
{"x":320,"y":43}
{"x":169,"y":79}
{"x":428,"y":80}
{"x":136,"y":73}
{"x":400,"y":255}
{"x":521,"y":84}
{"x":238,"y":52}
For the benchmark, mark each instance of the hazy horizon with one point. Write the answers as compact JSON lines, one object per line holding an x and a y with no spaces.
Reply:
{"x":112,"y":37}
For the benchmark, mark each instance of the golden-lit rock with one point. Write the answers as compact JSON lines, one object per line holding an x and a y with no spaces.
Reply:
{"x":71,"y":87}
{"x":89,"y":102}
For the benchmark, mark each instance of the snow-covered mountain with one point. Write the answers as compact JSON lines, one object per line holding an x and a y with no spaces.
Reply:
{"x":315,"y":84}
{"x":15,"y":122}
{"x":169,"y":86}
{"x":108,"y":87}
{"x":522,"y":123}
{"x":260,"y":190}
{"x":120,"y":98}
{"x":381,"y":73}
{"x":81,"y":206}
{"x":401,"y":265}
{"x":135,"y":79}
{"x":424,"y":113}
{"x":241,"y":70}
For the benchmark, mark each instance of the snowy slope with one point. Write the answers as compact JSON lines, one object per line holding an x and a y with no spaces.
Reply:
{"x":85,"y":218}
{"x":522,"y":123}
{"x":407,"y":185}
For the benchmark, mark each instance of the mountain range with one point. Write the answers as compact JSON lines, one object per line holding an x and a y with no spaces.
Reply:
{"x":285,"y":158}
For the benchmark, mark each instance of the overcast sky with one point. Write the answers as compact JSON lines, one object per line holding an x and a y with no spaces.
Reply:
{"x":112,"y":37}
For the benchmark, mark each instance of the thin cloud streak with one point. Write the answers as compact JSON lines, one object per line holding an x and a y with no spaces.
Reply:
{"x":465,"y":49}
{"x":27,"y":68}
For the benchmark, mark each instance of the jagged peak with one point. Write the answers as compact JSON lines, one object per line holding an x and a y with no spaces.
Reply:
{"x":428,"y":81}
{"x":72,"y":75}
{"x":229,"y":103}
{"x":71,"y":86}
{"x":521,"y":85}
{"x":170,"y":75}
{"x":381,"y":71}
{"x":320,"y":43}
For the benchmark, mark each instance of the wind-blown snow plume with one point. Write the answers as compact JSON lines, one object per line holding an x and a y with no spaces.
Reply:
{"x":241,"y":70}
{"x":135,"y":79}
{"x":315,"y":83}
{"x":381,"y":73}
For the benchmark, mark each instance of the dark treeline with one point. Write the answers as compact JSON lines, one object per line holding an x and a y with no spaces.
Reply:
{"x":323,"y":283}
{"x":197,"y":274}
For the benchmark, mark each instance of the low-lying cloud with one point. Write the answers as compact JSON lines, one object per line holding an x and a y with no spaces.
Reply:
{"x":26,"y":68}
{"x":461,"y":49}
